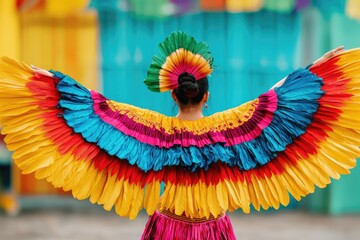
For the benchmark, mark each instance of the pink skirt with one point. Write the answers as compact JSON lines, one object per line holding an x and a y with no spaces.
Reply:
{"x":165,"y":226}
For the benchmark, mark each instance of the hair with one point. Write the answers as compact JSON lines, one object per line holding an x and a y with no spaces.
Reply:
{"x":190,"y":91}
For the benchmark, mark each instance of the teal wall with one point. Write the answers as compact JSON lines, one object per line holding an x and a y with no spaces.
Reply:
{"x":252,"y":52}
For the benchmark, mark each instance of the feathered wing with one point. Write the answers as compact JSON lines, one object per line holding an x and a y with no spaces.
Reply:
{"x":286,"y":141}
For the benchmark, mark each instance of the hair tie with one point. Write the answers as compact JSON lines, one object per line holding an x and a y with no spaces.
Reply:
{"x":186,"y":77}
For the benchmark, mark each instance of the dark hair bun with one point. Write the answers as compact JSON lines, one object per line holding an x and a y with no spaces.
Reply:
{"x":188,"y":86}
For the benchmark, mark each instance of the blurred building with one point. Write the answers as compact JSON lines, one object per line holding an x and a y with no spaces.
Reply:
{"x":108,"y":45}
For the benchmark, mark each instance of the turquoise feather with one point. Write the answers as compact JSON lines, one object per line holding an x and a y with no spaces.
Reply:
{"x":297,"y":102}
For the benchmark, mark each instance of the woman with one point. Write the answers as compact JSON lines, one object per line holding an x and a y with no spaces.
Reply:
{"x":291,"y":138}
{"x":190,"y":96}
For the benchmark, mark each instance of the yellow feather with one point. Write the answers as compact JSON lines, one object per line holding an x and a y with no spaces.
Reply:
{"x":87,"y":180}
{"x":234,"y":196}
{"x":21,"y":118}
{"x":309,"y":186}
{"x":253,"y":197}
{"x":190,"y":198}
{"x":272,"y":192}
{"x":197,"y":200}
{"x":316,"y":173}
{"x":168,"y":196}
{"x":33,"y":151}
{"x":15,"y":111}
{"x":11,"y":94}
{"x":329,"y":166}
{"x":12,"y":65}
{"x":58,"y":180}
{"x":137,"y":202}
{"x":98,"y":187}
{"x":128,"y":192}
{"x":59,"y":171}
{"x":71,"y":181}
{"x":26,"y":126}
{"x":109,"y":190}
{"x":36,"y":164}
{"x":222,"y":195}
{"x":13,"y":81}
{"x":203,"y":200}
{"x":212,"y":200}
{"x":14,"y":137}
{"x":341,"y":166}
{"x":24,"y":101}
{"x":43,"y":147}
{"x":76,"y":179}
{"x":291,"y":184}
{"x":231,"y":209}
{"x":152,"y":196}
{"x":32,"y":162}
{"x":244,"y":196}
{"x":259,"y":193}
{"x":349,"y":136}
{"x":44,"y":173}
{"x":36,"y":140}
{"x":281,"y":190}
{"x":180,"y":200}
{"x":82,"y":178}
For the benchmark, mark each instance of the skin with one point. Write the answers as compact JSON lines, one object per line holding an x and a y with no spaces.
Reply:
{"x":41,"y":71}
{"x":190,"y":112}
{"x":324,"y":58}
{"x":329,"y":55}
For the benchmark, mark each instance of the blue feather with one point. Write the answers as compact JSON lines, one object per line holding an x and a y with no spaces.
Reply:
{"x":297,"y":103}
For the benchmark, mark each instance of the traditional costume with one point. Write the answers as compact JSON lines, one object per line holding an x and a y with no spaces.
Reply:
{"x":285,"y":142}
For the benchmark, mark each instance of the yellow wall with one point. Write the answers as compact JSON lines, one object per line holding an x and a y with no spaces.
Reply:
{"x":9,"y":29}
{"x":68,"y":44}
{"x":63,"y":38}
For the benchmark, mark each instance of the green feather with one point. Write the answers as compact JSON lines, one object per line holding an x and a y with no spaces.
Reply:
{"x":174,"y":41}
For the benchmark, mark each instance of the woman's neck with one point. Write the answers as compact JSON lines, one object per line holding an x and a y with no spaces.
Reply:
{"x":190,"y":113}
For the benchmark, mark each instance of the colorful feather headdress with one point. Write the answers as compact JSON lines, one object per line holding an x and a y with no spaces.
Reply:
{"x":179,"y":53}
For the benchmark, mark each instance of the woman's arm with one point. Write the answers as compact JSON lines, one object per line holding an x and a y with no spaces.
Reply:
{"x":328,"y":55}
{"x":41,"y":71}
{"x":324,"y":58}
{"x":279,"y":83}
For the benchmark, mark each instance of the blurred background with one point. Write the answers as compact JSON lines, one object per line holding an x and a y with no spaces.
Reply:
{"x":107,"y":45}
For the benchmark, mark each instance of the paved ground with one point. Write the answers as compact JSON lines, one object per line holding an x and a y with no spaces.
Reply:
{"x":82,"y":221}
